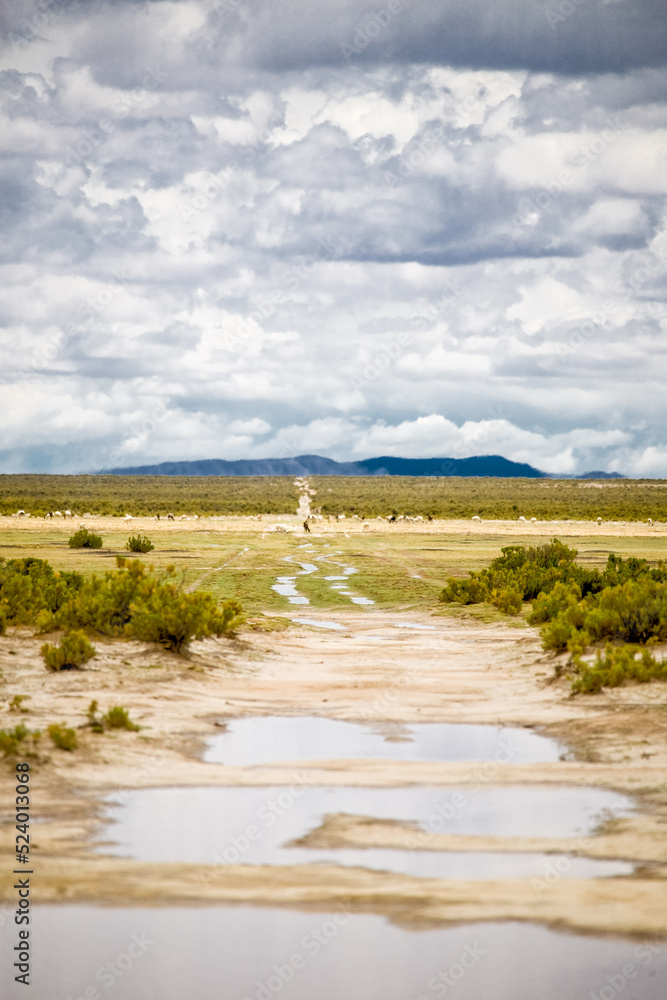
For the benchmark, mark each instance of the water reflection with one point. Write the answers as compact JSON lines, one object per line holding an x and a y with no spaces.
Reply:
{"x":256,"y":740}
{"x":241,"y":825}
{"x":242,"y":953}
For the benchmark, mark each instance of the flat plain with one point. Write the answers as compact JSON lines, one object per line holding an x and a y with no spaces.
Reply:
{"x":455,"y":665}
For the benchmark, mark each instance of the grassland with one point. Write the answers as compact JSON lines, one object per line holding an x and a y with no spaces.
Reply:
{"x":544,"y":499}
{"x":394,"y":570}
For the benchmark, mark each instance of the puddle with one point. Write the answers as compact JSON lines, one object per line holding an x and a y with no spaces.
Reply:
{"x":317,"y":624}
{"x":254,"y":953}
{"x":286,"y":585}
{"x":244,"y":825}
{"x":256,"y":740}
{"x":343,"y":588}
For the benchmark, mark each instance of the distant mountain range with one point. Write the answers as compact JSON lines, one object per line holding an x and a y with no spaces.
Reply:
{"x":316,"y":465}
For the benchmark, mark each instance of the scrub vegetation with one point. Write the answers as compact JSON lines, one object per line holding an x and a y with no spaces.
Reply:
{"x":367,"y":496}
{"x":116,"y":717}
{"x":19,"y":741}
{"x":130,"y":601}
{"x":624,"y":605}
{"x":63,"y":737}
{"x":84,"y":539}
{"x":139,"y":543}
{"x":73,"y":651}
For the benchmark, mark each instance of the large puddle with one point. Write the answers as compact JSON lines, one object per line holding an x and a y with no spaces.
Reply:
{"x":242,"y":825}
{"x":242,"y":953}
{"x":257,"y":740}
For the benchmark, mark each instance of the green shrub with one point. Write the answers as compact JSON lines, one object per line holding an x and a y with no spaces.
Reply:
{"x":63,"y":738}
{"x":132,"y":602}
{"x":117,"y":717}
{"x":139,"y":543}
{"x":73,"y":651}
{"x":172,"y":618}
{"x":16,"y":704}
{"x":103,"y":603}
{"x":3,"y":621}
{"x":84,"y":539}
{"x":31,"y":586}
{"x":19,"y":741}
{"x":95,"y":720}
{"x":633,"y":612}
{"x":617,"y":665}
{"x":128,"y":601}
{"x":528,"y":571}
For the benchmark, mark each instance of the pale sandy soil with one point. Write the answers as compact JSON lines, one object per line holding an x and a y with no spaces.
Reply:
{"x":467,"y":672}
{"x":268,"y":522}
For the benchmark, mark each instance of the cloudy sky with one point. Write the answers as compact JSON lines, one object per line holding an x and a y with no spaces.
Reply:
{"x":253,"y":228}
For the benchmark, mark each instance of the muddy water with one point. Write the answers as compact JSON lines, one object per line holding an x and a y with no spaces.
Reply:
{"x":241,"y":953}
{"x":239,"y":825}
{"x":246,"y":742}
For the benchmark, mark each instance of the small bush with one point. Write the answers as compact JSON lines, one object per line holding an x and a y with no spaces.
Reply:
{"x":139,"y":543}
{"x":63,"y":738}
{"x":73,"y":651}
{"x":118,"y":717}
{"x":617,"y":665}
{"x":3,"y":621}
{"x":94,"y":718}
{"x":173,"y":618}
{"x":19,"y":740}
{"x":16,"y":704}
{"x":84,"y":539}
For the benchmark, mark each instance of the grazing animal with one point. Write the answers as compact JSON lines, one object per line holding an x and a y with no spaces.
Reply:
{"x":68,"y":513}
{"x":305,"y":526}
{"x":533,"y":519}
{"x":20,"y":513}
{"x":476,"y":517}
{"x":650,"y":520}
{"x":599,"y":520}
{"x":170,"y":517}
{"x":57,"y":513}
{"x":522,"y":518}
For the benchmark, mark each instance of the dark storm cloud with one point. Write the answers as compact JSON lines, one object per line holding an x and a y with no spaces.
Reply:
{"x":563,"y":36}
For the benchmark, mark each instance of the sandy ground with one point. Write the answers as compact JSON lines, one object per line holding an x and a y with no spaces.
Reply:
{"x":294,"y":522}
{"x":371,"y":671}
